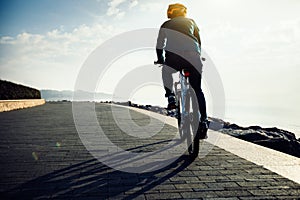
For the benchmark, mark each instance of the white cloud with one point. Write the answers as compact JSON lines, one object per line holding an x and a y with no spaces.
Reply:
{"x":6,"y":40}
{"x":113,"y":8}
{"x":153,"y":6}
{"x":120,"y":15}
{"x":115,"y":3}
{"x":112,"y":11}
{"x":51,"y":60}
{"x":133,"y":3}
{"x":118,"y":8}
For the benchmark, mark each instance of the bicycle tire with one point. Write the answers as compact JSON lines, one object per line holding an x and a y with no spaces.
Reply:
{"x":192,"y":124}
{"x":179,"y":116}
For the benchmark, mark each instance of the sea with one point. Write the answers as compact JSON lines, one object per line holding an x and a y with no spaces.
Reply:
{"x":264,"y":116}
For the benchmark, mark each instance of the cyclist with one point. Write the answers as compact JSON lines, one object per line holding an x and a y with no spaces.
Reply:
{"x":179,"y":45}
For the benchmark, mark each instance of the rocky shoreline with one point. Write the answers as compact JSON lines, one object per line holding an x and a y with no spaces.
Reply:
{"x":273,"y":138}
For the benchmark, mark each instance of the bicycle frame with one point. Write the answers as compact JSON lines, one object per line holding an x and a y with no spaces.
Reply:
{"x":182,"y":91}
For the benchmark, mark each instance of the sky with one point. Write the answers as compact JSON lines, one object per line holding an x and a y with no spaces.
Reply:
{"x":255,"y":44}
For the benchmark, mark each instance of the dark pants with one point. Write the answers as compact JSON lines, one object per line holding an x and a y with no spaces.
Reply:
{"x":175,"y":63}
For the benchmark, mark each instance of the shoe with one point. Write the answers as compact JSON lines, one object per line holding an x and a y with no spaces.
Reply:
{"x":202,"y":129}
{"x":171,"y":102}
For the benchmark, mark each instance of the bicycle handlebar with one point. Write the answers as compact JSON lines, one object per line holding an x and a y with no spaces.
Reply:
{"x":158,"y":63}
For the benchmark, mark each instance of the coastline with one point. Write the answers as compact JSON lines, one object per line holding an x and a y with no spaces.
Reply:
{"x":263,"y":114}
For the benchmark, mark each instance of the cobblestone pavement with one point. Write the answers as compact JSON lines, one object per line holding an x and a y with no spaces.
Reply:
{"x":42,"y":157}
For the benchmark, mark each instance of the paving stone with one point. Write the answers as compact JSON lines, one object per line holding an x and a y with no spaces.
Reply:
{"x":233,"y":193}
{"x":173,"y":195}
{"x":252,"y":184}
{"x":191,"y":185}
{"x":165,"y":187}
{"x":228,"y":198}
{"x":275,"y":192}
{"x":257,"y":197}
{"x":199,"y":195}
{"x":222,"y":185}
{"x":184,"y":179}
{"x":288,"y":197}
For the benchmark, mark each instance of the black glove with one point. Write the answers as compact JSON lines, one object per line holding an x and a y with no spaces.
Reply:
{"x":159,"y":62}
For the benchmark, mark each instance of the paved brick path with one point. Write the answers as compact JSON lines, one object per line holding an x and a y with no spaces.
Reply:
{"x":43,"y":157}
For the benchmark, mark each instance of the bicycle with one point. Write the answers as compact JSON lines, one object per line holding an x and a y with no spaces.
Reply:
{"x":187,"y":113}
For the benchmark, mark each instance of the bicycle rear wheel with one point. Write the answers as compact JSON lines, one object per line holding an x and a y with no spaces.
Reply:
{"x":179,"y":117}
{"x":192,"y":123}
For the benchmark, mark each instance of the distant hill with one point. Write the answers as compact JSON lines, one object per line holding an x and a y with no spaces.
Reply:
{"x":55,"y":95}
{"x":12,"y":91}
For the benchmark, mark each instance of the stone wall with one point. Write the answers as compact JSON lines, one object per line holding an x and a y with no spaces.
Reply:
{"x":7,"y":105}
